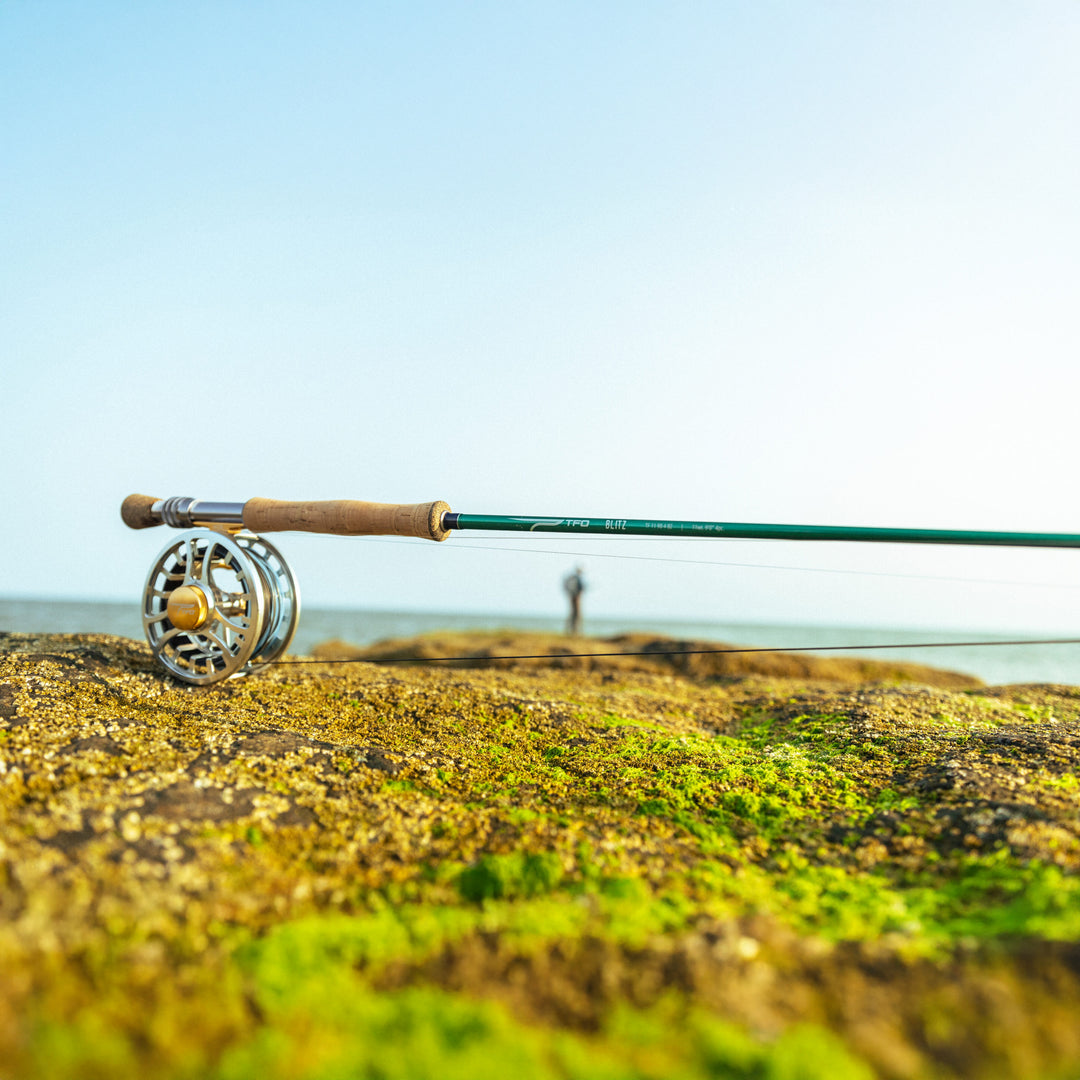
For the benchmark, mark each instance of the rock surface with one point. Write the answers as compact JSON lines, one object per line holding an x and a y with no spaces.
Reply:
{"x":564,"y":866}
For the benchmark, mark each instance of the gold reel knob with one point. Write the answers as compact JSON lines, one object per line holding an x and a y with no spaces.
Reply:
{"x":189,"y":607}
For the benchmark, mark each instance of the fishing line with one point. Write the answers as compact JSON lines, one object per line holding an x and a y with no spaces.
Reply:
{"x":646,"y":652}
{"x":745,"y":565}
{"x":678,"y":652}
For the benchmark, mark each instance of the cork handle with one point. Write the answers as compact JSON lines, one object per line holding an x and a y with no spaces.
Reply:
{"x":345,"y":517}
{"x":136,"y":510}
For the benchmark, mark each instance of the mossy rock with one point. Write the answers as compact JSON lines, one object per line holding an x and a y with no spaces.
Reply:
{"x":567,"y":866}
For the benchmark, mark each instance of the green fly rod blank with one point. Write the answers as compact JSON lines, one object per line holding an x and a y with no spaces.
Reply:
{"x":746,"y":531}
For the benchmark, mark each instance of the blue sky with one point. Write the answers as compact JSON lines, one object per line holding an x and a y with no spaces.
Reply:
{"x":812,"y":262}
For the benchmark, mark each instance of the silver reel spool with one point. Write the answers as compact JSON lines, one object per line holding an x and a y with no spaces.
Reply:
{"x":217,"y":606}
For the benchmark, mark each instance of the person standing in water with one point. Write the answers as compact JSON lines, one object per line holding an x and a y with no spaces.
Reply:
{"x":574,"y":584}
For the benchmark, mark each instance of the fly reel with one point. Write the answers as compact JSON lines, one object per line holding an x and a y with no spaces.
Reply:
{"x":220,"y":601}
{"x":216,"y":606}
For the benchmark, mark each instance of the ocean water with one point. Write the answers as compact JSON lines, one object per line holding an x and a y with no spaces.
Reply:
{"x":995,"y":664}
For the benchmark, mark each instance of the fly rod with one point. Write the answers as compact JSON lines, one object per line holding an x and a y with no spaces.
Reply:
{"x":220,"y":600}
{"x":435,"y":521}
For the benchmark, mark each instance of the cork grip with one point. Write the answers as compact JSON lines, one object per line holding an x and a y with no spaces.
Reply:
{"x":345,"y":517}
{"x":136,"y":512}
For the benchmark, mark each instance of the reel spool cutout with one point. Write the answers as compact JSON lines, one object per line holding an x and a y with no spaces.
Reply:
{"x":217,"y":606}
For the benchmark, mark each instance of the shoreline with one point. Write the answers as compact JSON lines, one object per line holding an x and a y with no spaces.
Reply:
{"x":993,"y":664}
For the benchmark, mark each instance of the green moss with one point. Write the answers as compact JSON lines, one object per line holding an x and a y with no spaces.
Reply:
{"x":519,"y":874}
{"x":421,"y":1033}
{"x":308,"y":982}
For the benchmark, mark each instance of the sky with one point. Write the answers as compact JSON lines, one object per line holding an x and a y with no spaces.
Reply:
{"x":811,"y":262}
